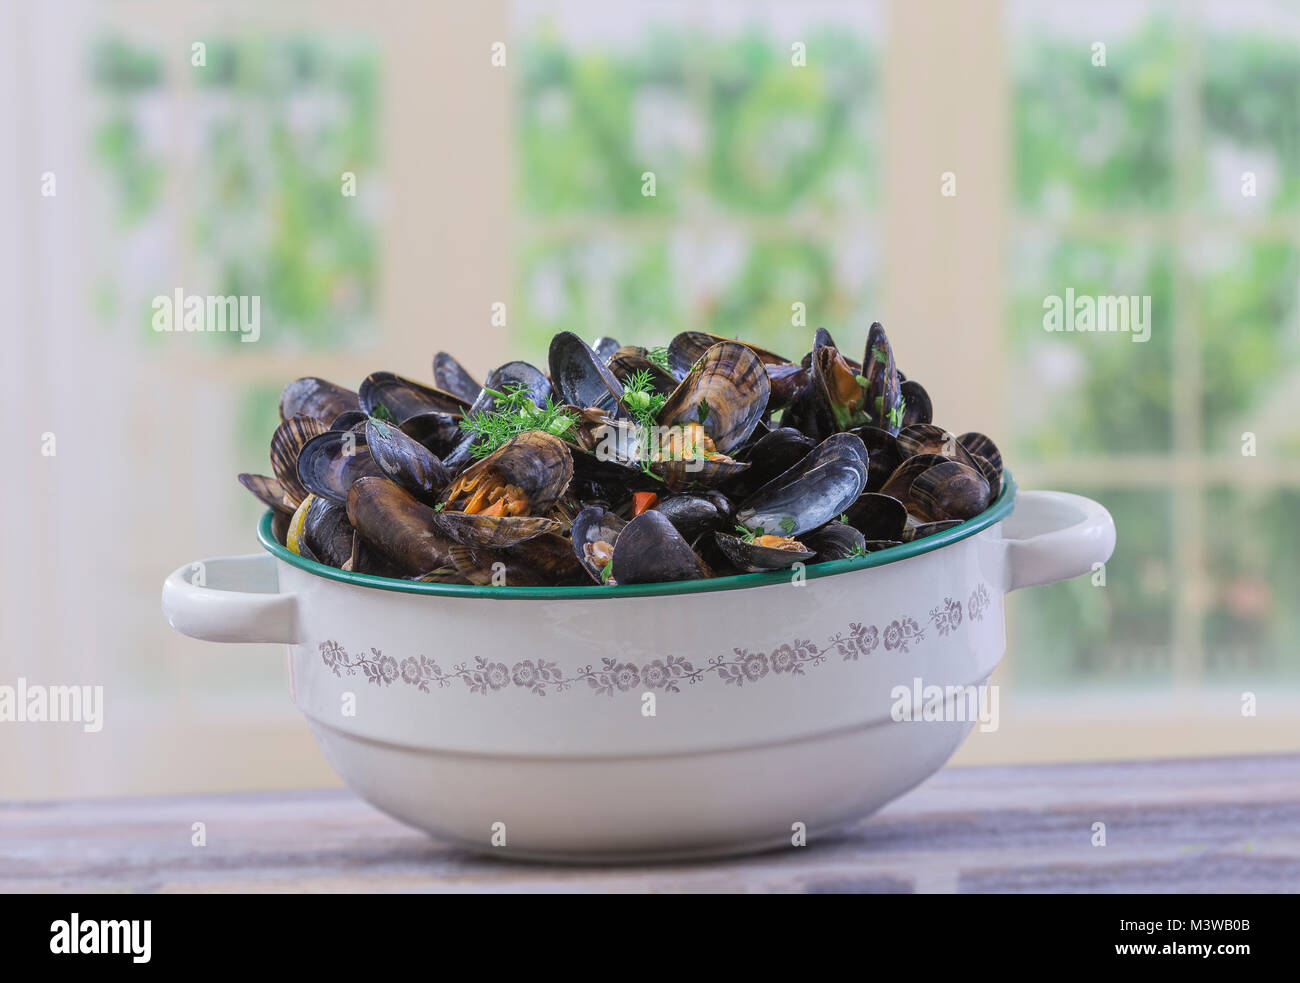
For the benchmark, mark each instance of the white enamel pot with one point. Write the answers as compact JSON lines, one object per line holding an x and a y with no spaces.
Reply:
{"x":643,"y":722}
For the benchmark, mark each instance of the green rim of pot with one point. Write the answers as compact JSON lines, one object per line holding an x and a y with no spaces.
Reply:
{"x":996,"y":512}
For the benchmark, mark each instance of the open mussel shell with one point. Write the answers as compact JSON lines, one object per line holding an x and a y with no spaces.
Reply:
{"x":687,"y":347}
{"x":788,"y":381}
{"x":404,"y":398}
{"x":834,"y":541}
{"x":269,"y":492}
{"x":992,"y":475}
{"x":916,"y":403}
{"x":280,"y":527}
{"x":629,"y":360}
{"x":926,"y":438}
{"x":753,"y":557}
{"x":899,"y":484}
{"x":483,"y":567}
{"x":650,"y":550}
{"x":770,"y":455}
{"x":406,"y":461}
{"x":884,"y":395}
{"x":729,"y":379}
{"x":349,"y":420}
{"x":330,"y":462}
{"x":450,"y":376}
{"x":580,"y":376}
{"x":822,"y":339}
{"x":594,"y":532}
{"x":883,"y":455}
{"x":317,"y":398}
{"x":536,"y":462}
{"x":512,"y":374}
{"x":287,"y":442}
{"x":538,"y":465}
{"x":840,"y":400}
{"x":919,"y":530}
{"x":398,"y":525}
{"x":542,"y":561}
{"x":678,"y":474}
{"x":951,"y":490}
{"x":605,"y":347}
{"x":327,"y":532}
{"x":440,"y":433}
{"x":877,"y":516}
{"x":812,"y":492}
{"x":493,"y":531}
{"x":981,"y":446}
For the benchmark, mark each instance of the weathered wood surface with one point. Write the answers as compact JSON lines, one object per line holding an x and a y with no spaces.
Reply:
{"x":1205,"y":825}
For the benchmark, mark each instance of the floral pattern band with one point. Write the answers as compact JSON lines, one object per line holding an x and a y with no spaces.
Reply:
{"x":668,"y":673}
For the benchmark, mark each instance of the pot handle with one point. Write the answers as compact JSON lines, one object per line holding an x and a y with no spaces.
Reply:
{"x":1054,"y":536}
{"x":230,"y":599}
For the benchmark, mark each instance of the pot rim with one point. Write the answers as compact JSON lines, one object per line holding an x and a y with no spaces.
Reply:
{"x":999,"y":510}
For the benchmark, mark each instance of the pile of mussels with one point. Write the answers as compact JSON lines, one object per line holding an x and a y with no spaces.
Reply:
{"x":624,"y":465}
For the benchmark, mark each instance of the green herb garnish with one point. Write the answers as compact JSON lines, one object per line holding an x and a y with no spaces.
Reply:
{"x":844,"y":517}
{"x":747,"y":534}
{"x":514,"y":413}
{"x":640,"y":398}
{"x":702,"y":411}
{"x":857,"y":551}
{"x":607,"y":571}
{"x":896,"y":414}
{"x":381,"y":412}
{"x":787,"y":526}
{"x":660,"y":357}
{"x":440,"y":506}
{"x":878,"y":355}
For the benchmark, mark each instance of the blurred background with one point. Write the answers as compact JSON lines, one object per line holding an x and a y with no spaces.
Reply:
{"x":776,"y":183}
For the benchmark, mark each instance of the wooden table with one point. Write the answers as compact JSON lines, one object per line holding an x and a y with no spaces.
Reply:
{"x":1217,"y":825}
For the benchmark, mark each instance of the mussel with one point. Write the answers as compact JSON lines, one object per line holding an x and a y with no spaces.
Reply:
{"x":317,"y":398}
{"x":814,"y":491}
{"x":450,"y":376}
{"x":504,"y":499}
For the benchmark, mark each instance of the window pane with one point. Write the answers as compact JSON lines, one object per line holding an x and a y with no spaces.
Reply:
{"x":1251,"y":105}
{"x":1089,"y":137}
{"x":1252,"y":621}
{"x":1088,"y":393}
{"x":1250,"y":345}
{"x":271,"y":127}
{"x":1079,"y":633}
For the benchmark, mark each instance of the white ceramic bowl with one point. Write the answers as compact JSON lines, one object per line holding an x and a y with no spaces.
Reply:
{"x":459,"y":709}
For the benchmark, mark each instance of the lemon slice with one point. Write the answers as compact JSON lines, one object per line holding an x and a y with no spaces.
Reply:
{"x":293,"y":538}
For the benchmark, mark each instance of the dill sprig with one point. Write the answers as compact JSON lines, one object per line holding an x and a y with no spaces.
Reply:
{"x":514,"y":413}
{"x":641,"y":399}
{"x":644,"y":403}
{"x":660,"y":357}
